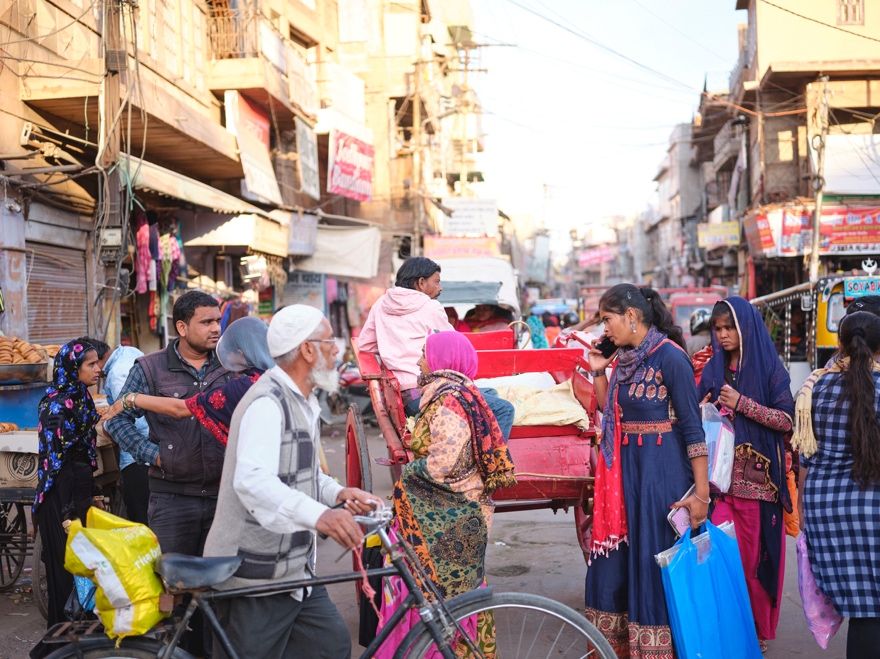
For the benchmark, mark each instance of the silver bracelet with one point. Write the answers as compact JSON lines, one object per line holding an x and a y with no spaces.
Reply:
{"x":706,"y":501}
{"x":598,"y":374}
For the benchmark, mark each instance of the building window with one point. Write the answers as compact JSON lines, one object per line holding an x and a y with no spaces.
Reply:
{"x":850,"y":12}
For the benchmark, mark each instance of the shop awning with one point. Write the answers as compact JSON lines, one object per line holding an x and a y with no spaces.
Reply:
{"x":345,"y":251}
{"x":155,"y":178}
{"x":246,"y":230}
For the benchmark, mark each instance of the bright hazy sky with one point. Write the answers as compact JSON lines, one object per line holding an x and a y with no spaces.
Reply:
{"x":576,"y":131}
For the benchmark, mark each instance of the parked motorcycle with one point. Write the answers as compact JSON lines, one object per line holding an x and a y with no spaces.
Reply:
{"x":352,"y":389}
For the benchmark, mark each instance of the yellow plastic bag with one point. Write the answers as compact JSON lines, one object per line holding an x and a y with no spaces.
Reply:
{"x":118,"y":555}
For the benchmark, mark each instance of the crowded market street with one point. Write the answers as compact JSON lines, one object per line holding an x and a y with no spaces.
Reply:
{"x":533,"y":552}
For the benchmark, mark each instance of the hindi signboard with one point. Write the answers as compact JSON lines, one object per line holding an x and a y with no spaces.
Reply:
{"x":350,"y":166}
{"x":597,"y":256}
{"x":451,"y":247}
{"x":721,"y":234}
{"x":470,"y":217}
{"x":307,"y":162}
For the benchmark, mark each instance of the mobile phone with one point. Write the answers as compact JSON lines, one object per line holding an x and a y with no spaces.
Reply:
{"x":680,"y":518}
{"x":606,"y":347}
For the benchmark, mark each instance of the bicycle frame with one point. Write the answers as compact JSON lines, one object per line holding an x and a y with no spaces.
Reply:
{"x":415,"y":599}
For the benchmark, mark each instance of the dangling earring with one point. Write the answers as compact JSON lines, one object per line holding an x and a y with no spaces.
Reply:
{"x":632,"y":326}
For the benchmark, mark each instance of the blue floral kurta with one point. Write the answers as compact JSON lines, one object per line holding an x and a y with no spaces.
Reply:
{"x":661,"y":432}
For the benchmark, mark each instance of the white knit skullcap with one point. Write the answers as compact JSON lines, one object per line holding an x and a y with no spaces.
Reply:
{"x":290,"y":327}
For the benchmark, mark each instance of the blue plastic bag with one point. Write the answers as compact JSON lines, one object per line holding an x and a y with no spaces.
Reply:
{"x":85,"y":592}
{"x":709,"y":609}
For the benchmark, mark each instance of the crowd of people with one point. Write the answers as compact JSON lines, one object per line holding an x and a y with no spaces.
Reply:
{"x":220,"y":455}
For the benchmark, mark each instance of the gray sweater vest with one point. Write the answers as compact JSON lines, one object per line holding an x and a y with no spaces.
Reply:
{"x":267,"y":556}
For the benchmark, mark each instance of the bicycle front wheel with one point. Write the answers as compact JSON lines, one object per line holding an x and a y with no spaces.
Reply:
{"x":522,"y":626}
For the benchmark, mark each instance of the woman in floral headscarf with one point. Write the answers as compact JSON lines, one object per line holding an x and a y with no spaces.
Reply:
{"x":441,"y":501}
{"x":67,"y":459}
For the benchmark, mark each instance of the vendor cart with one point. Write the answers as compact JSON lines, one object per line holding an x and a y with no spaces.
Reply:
{"x":553,"y":462}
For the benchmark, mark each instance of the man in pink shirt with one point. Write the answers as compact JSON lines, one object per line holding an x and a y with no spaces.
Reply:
{"x":399,"y":323}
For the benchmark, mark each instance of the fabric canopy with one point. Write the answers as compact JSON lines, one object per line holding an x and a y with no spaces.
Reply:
{"x":345,"y":251}
{"x":247,"y":230}
{"x":149,"y":176}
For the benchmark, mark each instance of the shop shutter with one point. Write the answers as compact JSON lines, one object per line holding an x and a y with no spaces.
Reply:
{"x":57,"y":302}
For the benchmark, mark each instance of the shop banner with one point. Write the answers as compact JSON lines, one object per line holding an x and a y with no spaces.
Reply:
{"x":722,"y":234}
{"x":789,"y":231}
{"x":759,"y":236}
{"x":349,"y":166}
{"x":303,"y":234}
{"x":470,"y":217}
{"x":305,"y":288}
{"x":597,"y":256}
{"x":447,"y":247}
{"x":860,"y":287}
{"x":307,"y":162}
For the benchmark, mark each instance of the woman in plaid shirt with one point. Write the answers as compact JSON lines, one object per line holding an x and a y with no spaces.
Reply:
{"x":839,"y":440}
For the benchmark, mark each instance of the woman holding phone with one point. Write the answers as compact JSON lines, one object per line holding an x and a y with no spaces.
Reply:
{"x":652,"y":451}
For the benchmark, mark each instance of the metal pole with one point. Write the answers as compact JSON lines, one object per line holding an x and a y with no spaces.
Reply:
{"x":416,"y":247}
{"x":819,"y":180}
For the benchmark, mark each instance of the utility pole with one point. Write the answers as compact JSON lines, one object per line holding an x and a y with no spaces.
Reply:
{"x":109,"y":100}
{"x":819,"y":180}
{"x":463,"y":172}
{"x":416,"y":137}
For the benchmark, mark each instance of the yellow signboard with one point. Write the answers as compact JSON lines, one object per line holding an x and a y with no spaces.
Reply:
{"x":723,"y":234}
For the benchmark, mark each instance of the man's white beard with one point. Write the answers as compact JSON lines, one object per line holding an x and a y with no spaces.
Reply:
{"x":326,"y":378}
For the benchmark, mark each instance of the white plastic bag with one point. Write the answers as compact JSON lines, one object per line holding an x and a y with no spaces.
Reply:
{"x":720,"y":440}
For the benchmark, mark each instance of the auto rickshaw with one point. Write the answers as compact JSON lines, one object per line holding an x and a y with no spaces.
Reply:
{"x":804,"y":319}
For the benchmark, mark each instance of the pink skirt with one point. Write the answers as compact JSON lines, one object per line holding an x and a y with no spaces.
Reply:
{"x":746,"y":517}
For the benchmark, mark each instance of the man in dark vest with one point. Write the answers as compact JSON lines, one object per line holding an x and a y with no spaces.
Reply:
{"x":186,"y":459}
{"x":273,"y":499}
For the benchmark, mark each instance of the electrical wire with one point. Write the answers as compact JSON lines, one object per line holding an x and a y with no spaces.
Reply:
{"x":598,"y":44}
{"x":53,"y":32}
{"x":682,"y":33}
{"x":818,"y":22}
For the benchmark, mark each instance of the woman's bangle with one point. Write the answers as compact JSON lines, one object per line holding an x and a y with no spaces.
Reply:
{"x":598,"y":374}
{"x":706,"y":501}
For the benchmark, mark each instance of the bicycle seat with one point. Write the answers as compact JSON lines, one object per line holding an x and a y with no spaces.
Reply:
{"x":182,"y":572}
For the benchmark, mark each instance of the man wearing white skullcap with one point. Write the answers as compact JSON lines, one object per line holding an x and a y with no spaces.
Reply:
{"x":273,"y":500}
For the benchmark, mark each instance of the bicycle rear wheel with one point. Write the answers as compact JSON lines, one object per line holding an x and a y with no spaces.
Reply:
{"x":104,"y":648}
{"x":525,"y":626}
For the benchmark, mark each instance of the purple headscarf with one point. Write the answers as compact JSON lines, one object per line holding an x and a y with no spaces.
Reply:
{"x":451,"y":351}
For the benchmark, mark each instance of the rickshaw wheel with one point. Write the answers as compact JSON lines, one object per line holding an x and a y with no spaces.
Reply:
{"x":13,"y":543}
{"x":38,"y":579}
{"x":357,"y":453}
{"x":583,"y":524}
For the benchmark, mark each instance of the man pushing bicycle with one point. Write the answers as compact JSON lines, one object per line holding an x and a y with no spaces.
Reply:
{"x":274,"y":499}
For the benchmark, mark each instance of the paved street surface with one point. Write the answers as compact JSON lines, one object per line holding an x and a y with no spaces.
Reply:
{"x":529,"y":551}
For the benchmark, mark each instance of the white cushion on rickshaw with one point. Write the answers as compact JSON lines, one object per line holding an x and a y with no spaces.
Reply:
{"x":528,"y":380}
{"x":555,"y":406}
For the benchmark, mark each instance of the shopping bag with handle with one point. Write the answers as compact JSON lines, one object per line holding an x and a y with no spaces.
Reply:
{"x":709,"y":610}
{"x":822,"y":618}
{"x":118,"y":555}
{"x":720,"y":440}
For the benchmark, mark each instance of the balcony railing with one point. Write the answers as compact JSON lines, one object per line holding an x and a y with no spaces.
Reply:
{"x":234,"y":33}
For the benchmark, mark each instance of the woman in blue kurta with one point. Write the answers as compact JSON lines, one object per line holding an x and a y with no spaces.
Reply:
{"x":652,"y":450}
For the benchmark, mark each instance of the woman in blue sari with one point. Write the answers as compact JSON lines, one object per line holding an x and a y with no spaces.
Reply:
{"x":749,"y":383}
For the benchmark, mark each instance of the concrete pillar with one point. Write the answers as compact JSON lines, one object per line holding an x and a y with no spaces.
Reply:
{"x":13,"y":268}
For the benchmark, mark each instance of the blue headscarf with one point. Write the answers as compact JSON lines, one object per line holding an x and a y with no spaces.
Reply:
{"x":762,"y":377}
